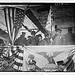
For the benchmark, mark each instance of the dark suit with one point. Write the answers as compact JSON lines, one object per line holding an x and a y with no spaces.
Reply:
{"x":58,"y":40}
{"x":69,"y":39}
{"x":32,"y":41}
{"x":21,"y":41}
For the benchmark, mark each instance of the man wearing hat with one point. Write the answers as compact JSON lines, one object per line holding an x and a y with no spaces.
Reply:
{"x":21,"y":40}
{"x":69,"y":38}
{"x":33,"y":40}
{"x":59,"y":38}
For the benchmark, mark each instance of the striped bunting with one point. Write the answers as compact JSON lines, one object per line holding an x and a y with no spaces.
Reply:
{"x":18,"y":64}
{"x":40,"y":53}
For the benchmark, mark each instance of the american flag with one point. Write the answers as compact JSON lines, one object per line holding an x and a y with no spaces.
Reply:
{"x":14,"y":18}
{"x":19,"y":19}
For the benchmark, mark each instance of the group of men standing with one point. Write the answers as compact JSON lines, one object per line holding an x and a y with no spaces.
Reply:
{"x":32,"y":40}
{"x":66,"y":39}
{"x":57,"y":39}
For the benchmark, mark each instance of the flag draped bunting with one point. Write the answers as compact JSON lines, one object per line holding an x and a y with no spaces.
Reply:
{"x":41,"y":53}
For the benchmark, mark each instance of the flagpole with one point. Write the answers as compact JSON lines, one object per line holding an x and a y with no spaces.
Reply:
{"x":51,"y":22}
{"x":51,"y":35}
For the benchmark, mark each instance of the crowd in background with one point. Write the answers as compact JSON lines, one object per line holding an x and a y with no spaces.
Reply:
{"x":32,"y":40}
{"x":57,"y":39}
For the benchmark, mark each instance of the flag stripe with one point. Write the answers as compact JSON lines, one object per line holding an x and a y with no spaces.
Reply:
{"x":19,"y":57}
{"x":9,"y":20}
{"x":17,"y":68}
{"x":19,"y":60}
{"x":13,"y":14}
{"x":11,"y":17}
{"x":21,"y":51}
{"x":18,"y":64}
{"x":8,"y":24}
{"x":6,"y":20}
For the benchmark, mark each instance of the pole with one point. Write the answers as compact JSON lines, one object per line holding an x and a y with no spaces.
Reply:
{"x":51,"y":23}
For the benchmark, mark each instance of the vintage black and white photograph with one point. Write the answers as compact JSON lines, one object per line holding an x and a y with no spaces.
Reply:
{"x":37,"y":37}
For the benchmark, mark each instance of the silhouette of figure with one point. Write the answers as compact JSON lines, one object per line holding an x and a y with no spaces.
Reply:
{"x":69,"y":38}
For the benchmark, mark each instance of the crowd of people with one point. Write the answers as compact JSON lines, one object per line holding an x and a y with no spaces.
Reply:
{"x":57,"y":39}
{"x":38,"y":39}
{"x":32,"y":40}
{"x":53,"y":39}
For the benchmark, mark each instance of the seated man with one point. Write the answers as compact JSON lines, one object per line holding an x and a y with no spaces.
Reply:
{"x":32,"y":64}
{"x":66,"y":65}
{"x":61,"y":66}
